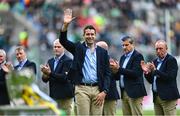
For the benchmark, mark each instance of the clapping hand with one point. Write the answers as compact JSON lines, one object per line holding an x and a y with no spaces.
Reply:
{"x":7,"y":67}
{"x":147,"y":67}
{"x":45,"y":69}
{"x":114,"y":65}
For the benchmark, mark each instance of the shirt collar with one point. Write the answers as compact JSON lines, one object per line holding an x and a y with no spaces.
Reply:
{"x":161,"y":60}
{"x":23,"y":62}
{"x":88,"y":46}
{"x":58,"y":58}
{"x":129,"y":54}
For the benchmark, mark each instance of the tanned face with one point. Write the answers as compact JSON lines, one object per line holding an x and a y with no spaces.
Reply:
{"x":20,"y":55}
{"x":127,"y":46}
{"x":2,"y":57}
{"x":58,"y":48}
{"x":90,"y":36}
{"x":161,"y":49}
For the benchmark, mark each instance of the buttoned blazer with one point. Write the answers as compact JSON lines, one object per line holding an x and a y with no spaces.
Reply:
{"x":59,"y":85}
{"x":79,"y":50}
{"x":166,"y":78}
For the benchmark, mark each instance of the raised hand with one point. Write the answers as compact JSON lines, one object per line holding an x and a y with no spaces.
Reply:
{"x":68,"y":16}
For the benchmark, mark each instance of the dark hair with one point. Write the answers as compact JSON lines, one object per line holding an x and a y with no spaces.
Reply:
{"x":129,"y":38}
{"x":89,"y":27}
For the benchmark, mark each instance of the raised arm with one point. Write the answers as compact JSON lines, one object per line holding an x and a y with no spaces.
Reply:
{"x":68,"y":45}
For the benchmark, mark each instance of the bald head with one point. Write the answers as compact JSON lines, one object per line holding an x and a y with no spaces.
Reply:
{"x":102,"y":44}
{"x":162,"y":42}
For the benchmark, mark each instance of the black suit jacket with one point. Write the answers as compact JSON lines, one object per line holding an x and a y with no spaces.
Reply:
{"x":28,"y":64}
{"x":60,"y":86}
{"x":78,"y":50}
{"x":133,"y":76}
{"x":166,"y":78}
{"x":4,"y":98}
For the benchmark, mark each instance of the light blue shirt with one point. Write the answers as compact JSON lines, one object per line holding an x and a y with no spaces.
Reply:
{"x":128,"y":56}
{"x":160,"y":61}
{"x":89,"y":68}
{"x":21,"y":64}
{"x":56,"y":60}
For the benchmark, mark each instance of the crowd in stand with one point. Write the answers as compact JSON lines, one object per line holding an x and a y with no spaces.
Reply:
{"x":112,"y":19}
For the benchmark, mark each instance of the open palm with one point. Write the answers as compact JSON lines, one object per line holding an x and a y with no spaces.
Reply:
{"x":68,"y":16}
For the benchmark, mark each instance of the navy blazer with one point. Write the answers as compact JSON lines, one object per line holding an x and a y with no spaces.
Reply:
{"x":133,"y":76}
{"x":113,"y":92}
{"x":28,"y":64}
{"x":4,"y":97}
{"x":59,"y":85}
{"x":166,"y":78}
{"x":79,"y":50}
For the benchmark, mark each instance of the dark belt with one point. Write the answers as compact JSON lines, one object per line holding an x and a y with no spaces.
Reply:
{"x":89,"y":84}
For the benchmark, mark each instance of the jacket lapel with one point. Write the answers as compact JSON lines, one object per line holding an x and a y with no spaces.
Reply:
{"x":122,"y":61}
{"x":25,"y":64}
{"x":98,"y":55}
{"x":131,"y":58}
{"x":51,"y":64}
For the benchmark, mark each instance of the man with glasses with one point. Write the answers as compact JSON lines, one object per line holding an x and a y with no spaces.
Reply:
{"x":130,"y":76}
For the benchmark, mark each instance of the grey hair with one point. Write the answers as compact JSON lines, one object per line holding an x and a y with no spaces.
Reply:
{"x":3,"y":52}
{"x":129,"y":38}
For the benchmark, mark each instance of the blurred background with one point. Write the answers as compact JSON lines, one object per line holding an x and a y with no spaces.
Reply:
{"x":35,"y":24}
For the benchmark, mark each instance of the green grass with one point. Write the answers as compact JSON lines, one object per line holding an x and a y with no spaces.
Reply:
{"x":145,"y":113}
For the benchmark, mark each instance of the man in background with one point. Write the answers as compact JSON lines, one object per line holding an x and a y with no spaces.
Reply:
{"x":23,"y":61}
{"x":4,"y":69}
{"x":130,"y":76}
{"x":110,"y":103}
{"x":162,"y":74}
{"x":55,"y":72}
